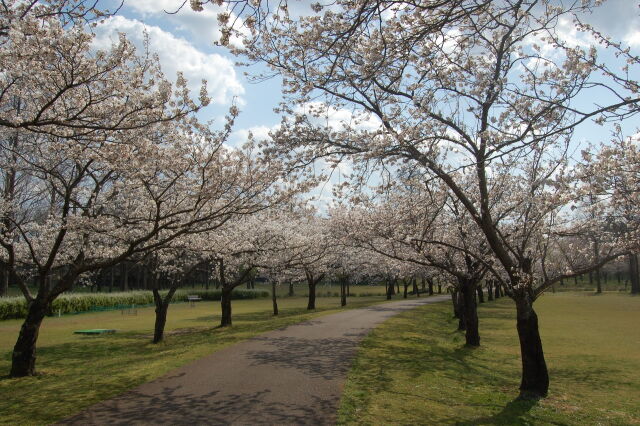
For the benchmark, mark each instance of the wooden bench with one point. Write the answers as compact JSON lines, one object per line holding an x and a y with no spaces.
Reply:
{"x":192,"y":299}
{"x":95,"y":331}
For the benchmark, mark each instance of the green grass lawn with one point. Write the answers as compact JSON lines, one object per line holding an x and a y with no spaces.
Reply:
{"x":414,"y":369}
{"x":77,"y":371}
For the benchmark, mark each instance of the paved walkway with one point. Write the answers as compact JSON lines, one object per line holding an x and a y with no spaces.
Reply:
{"x":294,"y":375}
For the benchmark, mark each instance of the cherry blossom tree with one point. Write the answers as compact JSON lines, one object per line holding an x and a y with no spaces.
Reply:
{"x":470,"y":83}
{"x":611,"y":179}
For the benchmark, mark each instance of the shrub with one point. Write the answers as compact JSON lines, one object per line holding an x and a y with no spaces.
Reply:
{"x":16,"y":307}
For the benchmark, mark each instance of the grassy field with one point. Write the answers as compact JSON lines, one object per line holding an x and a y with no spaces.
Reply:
{"x":77,"y":371}
{"x":414,"y":368}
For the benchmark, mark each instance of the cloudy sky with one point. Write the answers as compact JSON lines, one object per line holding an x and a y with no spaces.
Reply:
{"x":185,"y":40}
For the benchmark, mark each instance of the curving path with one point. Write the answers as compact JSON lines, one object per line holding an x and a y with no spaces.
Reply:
{"x":293,"y":375}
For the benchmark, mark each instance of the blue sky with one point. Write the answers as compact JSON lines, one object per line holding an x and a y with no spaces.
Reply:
{"x":185,"y":41}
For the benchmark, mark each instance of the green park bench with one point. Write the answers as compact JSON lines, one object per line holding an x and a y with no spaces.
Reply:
{"x":95,"y":331}
{"x":192,"y":299}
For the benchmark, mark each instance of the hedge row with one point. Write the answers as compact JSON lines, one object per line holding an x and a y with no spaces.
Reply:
{"x":16,"y":307}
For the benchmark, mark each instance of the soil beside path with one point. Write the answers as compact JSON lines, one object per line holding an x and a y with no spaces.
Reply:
{"x":294,"y":375}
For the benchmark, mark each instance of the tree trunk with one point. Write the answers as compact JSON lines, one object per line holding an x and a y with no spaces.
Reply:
{"x":497,"y":291}
{"x":634,"y":273}
{"x":480,"y":294}
{"x":406,"y":288}
{"x":4,"y":285}
{"x":472,"y":336}
{"x":597,"y":271}
{"x":343,"y":293}
{"x":397,"y":286}
{"x":454,"y":302}
{"x":458,"y":308}
{"x":439,"y":288}
{"x":430,"y":281}
{"x":161,"y":320}
{"x":312,"y":296}
{"x":125,"y":277}
{"x":535,"y":377}
{"x":162,"y":306}
{"x":274,"y":298}
{"x":462,"y":324}
{"x":415,"y":287}
{"x":291,"y":293}
{"x":490,"y":290}
{"x":145,"y":279}
{"x":348,"y":289}
{"x":225,"y":303}
{"x":390,"y":289}
{"x":23,"y":358}
{"x":207,"y":269}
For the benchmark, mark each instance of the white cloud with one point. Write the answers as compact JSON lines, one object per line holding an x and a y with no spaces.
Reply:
{"x":632,"y":38}
{"x":569,"y":34}
{"x":176,"y":54}
{"x":203,"y":25}
{"x":240,"y":136}
{"x":325,"y":115}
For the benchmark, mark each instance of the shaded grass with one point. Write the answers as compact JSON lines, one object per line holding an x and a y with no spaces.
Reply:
{"x":77,"y":371}
{"x":414,"y":368}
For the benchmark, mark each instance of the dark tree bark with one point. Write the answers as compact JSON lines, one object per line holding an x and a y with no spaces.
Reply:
{"x":497,"y":291}
{"x":535,"y":377}
{"x":634,"y":273}
{"x":274,"y":298}
{"x":490,"y":290}
{"x":415,"y":287}
{"x":225,"y":304}
{"x":23,"y":358}
{"x":161,"y":320}
{"x":462,"y":324}
{"x":348,"y":288}
{"x":454,"y":302}
{"x":311,"y":302}
{"x":226,"y":290}
{"x":125,"y":277}
{"x":162,"y":306}
{"x":312,"y":282}
{"x":430,"y":281}
{"x":458,"y":308}
{"x":480,"y":294}
{"x":405,"y":284}
{"x":468,"y":290}
{"x":397,"y":286}
{"x":291,"y":293}
{"x":390,"y":289}
{"x":439,"y":288}
{"x":206,"y":277}
{"x":343,"y":292}
{"x":4,"y":284}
